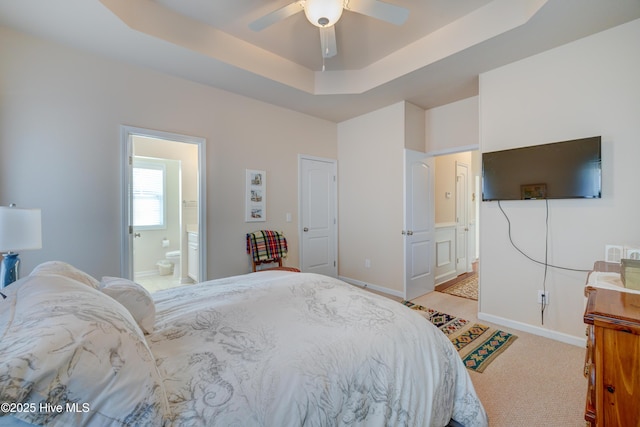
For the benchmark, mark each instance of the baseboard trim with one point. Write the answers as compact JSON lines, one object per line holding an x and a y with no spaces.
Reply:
{"x":535,"y":330}
{"x":362,"y":284}
{"x":443,"y":278}
{"x":147,"y":273}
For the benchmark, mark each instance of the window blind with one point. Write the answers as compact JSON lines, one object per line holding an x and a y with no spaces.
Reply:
{"x":148,"y":196}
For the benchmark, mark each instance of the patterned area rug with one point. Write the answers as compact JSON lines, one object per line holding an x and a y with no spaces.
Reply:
{"x":466,"y":288}
{"x":478,"y":345}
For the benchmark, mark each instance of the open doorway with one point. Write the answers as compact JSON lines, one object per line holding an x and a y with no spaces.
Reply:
{"x":457,"y":205}
{"x":164,"y":212}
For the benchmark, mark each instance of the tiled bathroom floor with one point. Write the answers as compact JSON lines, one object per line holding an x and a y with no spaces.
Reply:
{"x":156,"y":283}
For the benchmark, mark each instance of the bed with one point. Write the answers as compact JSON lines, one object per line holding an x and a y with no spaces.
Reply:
{"x":271,"y":348}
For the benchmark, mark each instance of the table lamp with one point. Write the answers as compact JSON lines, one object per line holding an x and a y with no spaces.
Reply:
{"x":20,"y":229}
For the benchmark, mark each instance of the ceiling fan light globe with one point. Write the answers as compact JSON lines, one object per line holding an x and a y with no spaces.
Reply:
{"x":323,"y":13}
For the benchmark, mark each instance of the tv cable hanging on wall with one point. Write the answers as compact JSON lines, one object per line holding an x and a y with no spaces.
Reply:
{"x":545,"y":263}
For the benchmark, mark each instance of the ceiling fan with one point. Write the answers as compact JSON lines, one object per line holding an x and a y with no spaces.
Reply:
{"x":325,"y":13}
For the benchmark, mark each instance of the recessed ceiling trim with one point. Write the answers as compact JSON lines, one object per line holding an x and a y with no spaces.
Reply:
{"x":96,"y":30}
{"x":155,"y":20}
{"x":478,"y":26}
{"x":488,"y":21}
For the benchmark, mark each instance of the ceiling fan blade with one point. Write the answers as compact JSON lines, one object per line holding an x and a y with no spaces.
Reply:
{"x":376,"y":9}
{"x":277,"y":15}
{"x":328,"y":41}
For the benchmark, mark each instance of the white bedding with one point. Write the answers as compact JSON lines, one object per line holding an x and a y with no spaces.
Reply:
{"x":289,"y":349}
{"x":73,"y":356}
{"x":270,"y":349}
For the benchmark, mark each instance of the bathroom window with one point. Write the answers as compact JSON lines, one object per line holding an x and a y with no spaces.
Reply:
{"x":149,"y":190}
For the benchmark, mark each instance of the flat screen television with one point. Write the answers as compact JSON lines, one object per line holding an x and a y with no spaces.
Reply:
{"x":560,"y":170}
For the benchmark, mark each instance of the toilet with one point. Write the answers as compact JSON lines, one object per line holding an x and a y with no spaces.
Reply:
{"x":174,"y":258}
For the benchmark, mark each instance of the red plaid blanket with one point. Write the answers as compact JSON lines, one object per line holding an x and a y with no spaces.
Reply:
{"x":266,"y":245}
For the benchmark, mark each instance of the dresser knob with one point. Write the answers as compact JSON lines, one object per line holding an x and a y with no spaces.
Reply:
{"x":611,"y":389}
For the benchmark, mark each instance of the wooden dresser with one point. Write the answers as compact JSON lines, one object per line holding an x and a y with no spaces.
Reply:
{"x":612,"y":362}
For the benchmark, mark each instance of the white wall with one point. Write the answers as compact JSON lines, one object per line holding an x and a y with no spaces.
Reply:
{"x":585,"y":88}
{"x":60,"y":113}
{"x":370,"y":187}
{"x":453,"y":127}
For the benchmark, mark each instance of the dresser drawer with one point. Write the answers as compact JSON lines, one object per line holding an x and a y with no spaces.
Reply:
{"x":612,"y":360}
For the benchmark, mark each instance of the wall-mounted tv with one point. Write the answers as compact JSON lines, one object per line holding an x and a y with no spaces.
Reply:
{"x":560,"y":170}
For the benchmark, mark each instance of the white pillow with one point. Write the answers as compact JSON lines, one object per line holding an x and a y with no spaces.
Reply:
{"x":134,"y":298}
{"x":64,"y":343}
{"x":63,"y":269}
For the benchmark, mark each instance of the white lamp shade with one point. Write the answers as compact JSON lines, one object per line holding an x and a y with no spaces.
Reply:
{"x":315,"y":10}
{"x":20,"y":229}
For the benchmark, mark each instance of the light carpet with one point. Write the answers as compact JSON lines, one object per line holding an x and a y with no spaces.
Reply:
{"x":478,"y":345}
{"x":535,"y":382}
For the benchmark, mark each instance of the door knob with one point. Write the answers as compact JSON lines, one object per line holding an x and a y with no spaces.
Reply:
{"x":409,"y":233}
{"x":305,"y":229}
{"x":136,"y":235}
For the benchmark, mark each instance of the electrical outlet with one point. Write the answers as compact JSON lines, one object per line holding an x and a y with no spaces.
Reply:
{"x":542,"y":294}
{"x":367,"y":263}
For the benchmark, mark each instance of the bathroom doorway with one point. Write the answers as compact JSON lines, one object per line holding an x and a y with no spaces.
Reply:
{"x":164,"y":209}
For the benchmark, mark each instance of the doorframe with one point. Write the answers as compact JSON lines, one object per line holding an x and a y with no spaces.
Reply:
{"x":463,"y":149}
{"x":126,"y":242}
{"x":334,"y":236}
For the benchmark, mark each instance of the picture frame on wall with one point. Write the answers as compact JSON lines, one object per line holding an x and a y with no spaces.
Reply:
{"x":256,"y":196}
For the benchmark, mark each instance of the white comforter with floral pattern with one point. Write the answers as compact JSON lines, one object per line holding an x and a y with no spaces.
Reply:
{"x":283,"y":349}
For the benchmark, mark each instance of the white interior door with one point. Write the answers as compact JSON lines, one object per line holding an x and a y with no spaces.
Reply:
{"x":462,"y":218}
{"x":318,"y":216}
{"x":419,"y":230}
